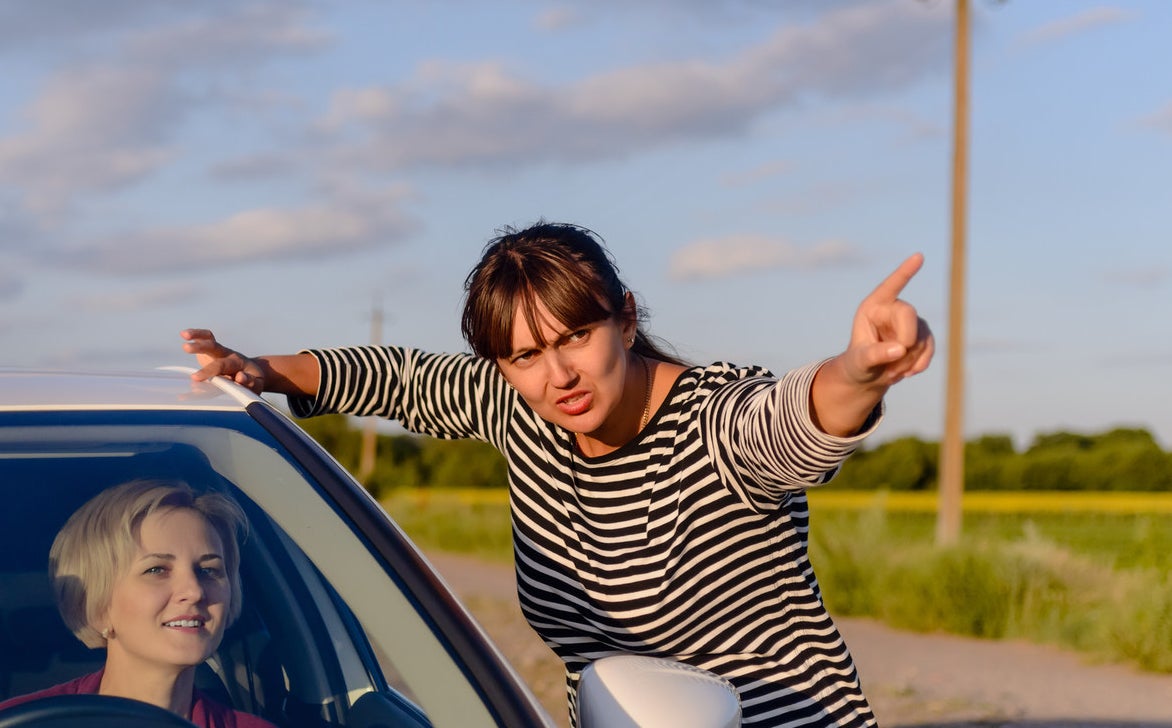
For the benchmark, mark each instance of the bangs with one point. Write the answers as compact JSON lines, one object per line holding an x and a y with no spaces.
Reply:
{"x":560,"y":268}
{"x":571,"y":308}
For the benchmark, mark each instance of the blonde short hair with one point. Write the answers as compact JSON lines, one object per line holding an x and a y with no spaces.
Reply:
{"x":99,"y":540}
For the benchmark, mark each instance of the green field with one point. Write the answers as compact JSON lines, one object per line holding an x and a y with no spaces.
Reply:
{"x":471,"y":521}
{"x":1086,"y":571}
{"x":1118,"y":529}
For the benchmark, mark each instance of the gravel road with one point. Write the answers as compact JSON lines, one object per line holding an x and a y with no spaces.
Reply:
{"x":912,"y":680}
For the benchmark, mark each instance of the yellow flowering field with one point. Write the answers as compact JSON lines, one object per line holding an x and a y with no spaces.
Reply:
{"x":1107,"y":502}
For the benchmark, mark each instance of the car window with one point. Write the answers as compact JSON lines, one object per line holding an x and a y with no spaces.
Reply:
{"x":325,"y":627}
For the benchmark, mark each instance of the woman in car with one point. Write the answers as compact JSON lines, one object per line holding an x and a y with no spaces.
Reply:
{"x":149,"y":570}
{"x":658,"y":508}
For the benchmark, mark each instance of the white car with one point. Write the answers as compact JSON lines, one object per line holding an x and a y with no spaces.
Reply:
{"x":344,"y":622}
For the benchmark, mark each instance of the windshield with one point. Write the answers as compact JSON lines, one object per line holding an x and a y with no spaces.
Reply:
{"x":324,"y":622}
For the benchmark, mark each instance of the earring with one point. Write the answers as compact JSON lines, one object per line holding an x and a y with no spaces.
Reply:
{"x":106,"y":634}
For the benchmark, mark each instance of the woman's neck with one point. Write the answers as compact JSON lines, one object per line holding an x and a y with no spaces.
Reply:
{"x":165,"y":688}
{"x":648,"y":386}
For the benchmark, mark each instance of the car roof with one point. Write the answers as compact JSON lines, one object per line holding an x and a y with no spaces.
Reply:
{"x":168,"y":388}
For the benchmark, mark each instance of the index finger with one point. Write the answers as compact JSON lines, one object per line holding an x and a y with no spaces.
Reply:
{"x":894,"y":284}
{"x":192,"y":334}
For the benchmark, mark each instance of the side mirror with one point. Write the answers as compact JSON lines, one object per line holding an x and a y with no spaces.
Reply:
{"x":635,"y":691}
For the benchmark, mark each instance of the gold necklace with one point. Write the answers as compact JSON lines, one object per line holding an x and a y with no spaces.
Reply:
{"x":647,"y":396}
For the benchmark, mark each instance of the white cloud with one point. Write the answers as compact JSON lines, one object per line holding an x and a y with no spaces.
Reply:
{"x":558,"y":18}
{"x":743,"y":178}
{"x":262,"y":234}
{"x":485,"y":114}
{"x":249,"y":33}
{"x":11,"y":285}
{"x":164,"y":28}
{"x":707,"y":11}
{"x":256,"y":166}
{"x":734,"y":254}
{"x":29,"y":24}
{"x":98,"y":126}
{"x":1154,"y":276}
{"x":18,"y":232}
{"x":134,"y":299}
{"x":91,"y":129}
{"x":1160,"y":120}
{"x":1082,"y":22}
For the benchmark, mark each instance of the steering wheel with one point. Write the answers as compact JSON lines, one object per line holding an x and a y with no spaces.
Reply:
{"x":90,"y":711}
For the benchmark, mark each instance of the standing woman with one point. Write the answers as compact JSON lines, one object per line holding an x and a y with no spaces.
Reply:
{"x":657,"y":508}
{"x":150,"y":570}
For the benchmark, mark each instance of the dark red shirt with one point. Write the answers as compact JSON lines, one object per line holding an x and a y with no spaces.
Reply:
{"x":205,"y":712}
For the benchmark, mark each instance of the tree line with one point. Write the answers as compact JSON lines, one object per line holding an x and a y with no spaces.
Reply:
{"x":1123,"y":459}
{"x":408,"y":460}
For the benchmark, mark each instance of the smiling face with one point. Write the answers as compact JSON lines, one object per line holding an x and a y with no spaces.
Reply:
{"x":168,"y":609}
{"x":579,"y":379}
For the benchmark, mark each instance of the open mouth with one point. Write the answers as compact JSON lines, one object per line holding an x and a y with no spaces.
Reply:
{"x":575,"y":403}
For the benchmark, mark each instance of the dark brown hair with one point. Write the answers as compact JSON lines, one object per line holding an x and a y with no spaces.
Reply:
{"x":565,"y":266}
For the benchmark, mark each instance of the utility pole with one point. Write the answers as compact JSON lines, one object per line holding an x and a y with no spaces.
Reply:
{"x":951,"y":488}
{"x":370,"y":427}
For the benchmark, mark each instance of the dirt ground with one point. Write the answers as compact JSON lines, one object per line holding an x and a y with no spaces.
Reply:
{"x":912,"y":680}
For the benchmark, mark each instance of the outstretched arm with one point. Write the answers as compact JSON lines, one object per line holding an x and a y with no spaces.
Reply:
{"x":294,"y":374}
{"x":889,"y":342}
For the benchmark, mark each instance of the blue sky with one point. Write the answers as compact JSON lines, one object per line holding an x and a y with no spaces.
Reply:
{"x":270,"y":170}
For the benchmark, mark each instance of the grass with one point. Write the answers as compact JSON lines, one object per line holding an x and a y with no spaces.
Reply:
{"x":1123,"y":530}
{"x":1049,"y":568}
{"x":1042,"y":567}
{"x":472,"y":521}
{"x":1017,"y":502}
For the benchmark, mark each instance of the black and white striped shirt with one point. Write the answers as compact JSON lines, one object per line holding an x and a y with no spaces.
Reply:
{"x":689,"y":542}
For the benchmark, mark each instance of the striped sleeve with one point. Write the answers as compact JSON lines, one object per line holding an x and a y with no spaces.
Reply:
{"x":763,"y":440}
{"x":442,"y":395}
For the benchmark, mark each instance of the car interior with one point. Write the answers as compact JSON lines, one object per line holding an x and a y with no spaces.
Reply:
{"x":280,"y":660}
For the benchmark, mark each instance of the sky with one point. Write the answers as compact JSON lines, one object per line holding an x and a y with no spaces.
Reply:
{"x":279,"y":170}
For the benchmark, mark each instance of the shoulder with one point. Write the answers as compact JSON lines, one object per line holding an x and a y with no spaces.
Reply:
{"x":731,"y":372}
{"x":715,"y":376}
{"x":377,"y":357}
{"x":80,"y":686}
